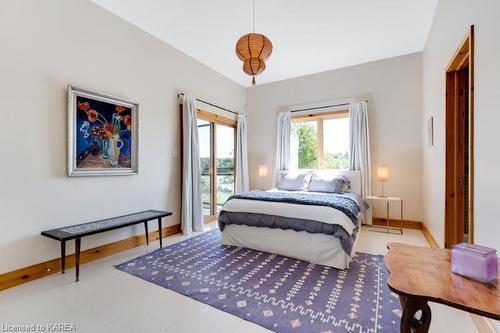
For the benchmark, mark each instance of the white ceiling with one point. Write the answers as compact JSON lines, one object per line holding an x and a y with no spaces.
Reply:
{"x":308,"y":36}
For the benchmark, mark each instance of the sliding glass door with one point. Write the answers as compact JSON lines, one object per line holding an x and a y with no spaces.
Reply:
{"x":204,"y":129}
{"x":225,"y":149}
{"x":217,"y":137}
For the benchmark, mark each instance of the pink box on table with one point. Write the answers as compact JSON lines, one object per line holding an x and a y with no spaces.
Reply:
{"x":474,"y":261}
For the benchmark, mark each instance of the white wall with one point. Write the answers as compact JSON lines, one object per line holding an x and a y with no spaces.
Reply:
{"x":393,"y":88}
{"x":48,"y":44}
{"x":451,"y":22}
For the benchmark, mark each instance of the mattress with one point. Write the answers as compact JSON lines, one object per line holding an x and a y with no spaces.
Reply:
{"x":315,"y":248}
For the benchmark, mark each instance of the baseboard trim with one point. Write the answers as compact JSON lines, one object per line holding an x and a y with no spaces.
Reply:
{"x":33,"y":272}
{"x":407,"y":224}
{"x":483,"y":325}
{"x":428,"y":236}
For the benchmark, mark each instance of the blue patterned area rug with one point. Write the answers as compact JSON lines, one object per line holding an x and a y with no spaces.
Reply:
{"x":276,"y":292}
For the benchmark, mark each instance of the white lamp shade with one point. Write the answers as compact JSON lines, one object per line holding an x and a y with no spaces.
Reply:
{"x":383,"y":173}
{"x":263,"y":171}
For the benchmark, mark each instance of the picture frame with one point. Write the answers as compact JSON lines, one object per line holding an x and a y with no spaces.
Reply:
{"x":103,"y":134}
{"x":430,"y":131}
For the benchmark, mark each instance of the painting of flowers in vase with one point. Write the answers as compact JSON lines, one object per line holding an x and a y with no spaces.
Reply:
{"x":103,"y":134}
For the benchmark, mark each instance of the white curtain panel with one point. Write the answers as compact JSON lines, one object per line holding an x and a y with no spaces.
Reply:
{"x":241,"y":155}
{"x":284,"y":123}
{"x":359,"y":144}
{"x":191,"y":210}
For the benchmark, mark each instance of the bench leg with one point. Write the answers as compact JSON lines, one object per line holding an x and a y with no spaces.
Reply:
{"x":160,"y":232}
{"x":63,"y":256}
{"x":77,"y":258}
{"x":147,"y":234}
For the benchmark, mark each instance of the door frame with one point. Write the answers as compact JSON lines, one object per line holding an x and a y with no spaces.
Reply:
{"x":463,"y":57}
{"x":215,"y":119}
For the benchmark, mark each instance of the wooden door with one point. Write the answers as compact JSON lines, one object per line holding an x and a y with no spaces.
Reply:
{"x":459,"y":145}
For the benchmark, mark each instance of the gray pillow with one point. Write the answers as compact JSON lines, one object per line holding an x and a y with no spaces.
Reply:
{"x":293,"y":180}
{"x":329,"y":183}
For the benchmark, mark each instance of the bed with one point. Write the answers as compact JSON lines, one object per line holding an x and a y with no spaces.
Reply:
{"x":299,"y":222}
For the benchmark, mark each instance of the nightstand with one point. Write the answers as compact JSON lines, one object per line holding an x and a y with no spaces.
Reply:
{"x":387,"y":201}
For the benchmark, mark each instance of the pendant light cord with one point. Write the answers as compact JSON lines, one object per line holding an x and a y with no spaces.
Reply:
{"x":253,"y":16}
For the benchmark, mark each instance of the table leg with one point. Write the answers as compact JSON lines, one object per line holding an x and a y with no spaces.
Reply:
{"x":77,"y":258}
{"x":146,"y":229}
{"x":63,"y":256}
{"x":401,"y":230}
{"x":387,"y":215}
{"x":160,"y":232}
{"x":409,"y":323}
{"x":402,"y":301}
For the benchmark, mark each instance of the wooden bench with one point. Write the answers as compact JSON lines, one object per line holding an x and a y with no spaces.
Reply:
{"x":78,"y":231}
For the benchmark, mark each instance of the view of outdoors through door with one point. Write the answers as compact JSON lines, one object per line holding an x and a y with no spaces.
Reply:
{"x":224,"y":137}
{"x":217,"y":152}
{"x":204,"y":134}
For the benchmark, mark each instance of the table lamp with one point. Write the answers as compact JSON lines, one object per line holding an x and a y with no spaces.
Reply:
{"x":263,"y":172}
{"x":383,"y":176}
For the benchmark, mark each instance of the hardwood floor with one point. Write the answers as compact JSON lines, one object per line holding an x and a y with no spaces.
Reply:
{"x":108,"y":300}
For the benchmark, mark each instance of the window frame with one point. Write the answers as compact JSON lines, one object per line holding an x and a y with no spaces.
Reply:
{"x":320,"y":118}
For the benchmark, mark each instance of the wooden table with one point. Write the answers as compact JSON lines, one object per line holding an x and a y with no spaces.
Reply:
{"x":421,"y":274}
{"x":78,"y":231}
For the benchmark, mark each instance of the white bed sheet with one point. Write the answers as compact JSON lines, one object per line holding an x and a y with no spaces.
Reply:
{"x":315,"y":248}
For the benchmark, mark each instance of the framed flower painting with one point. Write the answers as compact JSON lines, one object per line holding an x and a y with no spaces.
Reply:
{"x":102,"y":134}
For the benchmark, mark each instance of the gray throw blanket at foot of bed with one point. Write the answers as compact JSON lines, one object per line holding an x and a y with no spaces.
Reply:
{"x":286,"y":223}
{"x":343,"y":202}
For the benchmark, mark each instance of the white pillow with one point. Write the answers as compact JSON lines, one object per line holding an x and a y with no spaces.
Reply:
{"x":330,"y":183}
{"x":296,"y":180}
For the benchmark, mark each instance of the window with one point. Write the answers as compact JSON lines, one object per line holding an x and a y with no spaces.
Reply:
{"x":217,"y":137}
{"x":304,"y":145}
{"x":320,"y":141}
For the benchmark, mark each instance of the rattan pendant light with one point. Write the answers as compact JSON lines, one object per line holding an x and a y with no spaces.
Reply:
{"x":254,"y":49}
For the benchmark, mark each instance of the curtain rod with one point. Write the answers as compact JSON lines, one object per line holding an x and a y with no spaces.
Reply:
{"x":214,"y":105}
{"x":322,"y":107}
